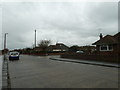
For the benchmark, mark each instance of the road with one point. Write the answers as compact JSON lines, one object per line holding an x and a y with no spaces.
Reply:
{"x":41,"y":72}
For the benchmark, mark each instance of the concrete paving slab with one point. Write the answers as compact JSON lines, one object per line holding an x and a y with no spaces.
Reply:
{"x":0,"y":72}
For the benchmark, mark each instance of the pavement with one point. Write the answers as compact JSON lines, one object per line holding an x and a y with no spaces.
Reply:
{"x":91,"y":62}
{"x":0,"y":72}
{"x":42,"y":72}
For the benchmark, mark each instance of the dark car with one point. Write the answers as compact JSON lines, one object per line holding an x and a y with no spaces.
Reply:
{"x":14,"y":56}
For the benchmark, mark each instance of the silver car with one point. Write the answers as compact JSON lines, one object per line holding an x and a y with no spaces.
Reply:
{"x":79,"y":52}
{"x":14,"y":56}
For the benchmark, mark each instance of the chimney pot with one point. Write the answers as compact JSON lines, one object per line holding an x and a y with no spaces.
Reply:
{"x":101,"y":36}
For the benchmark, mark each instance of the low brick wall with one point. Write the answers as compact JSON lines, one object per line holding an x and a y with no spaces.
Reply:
{"x":93,"y":57}
{"x":43,"y":54}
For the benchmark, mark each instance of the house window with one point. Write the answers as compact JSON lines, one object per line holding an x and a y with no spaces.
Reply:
{"x":103,"y":48}
{"x":110,"y":47}
{"x":106,"y":48}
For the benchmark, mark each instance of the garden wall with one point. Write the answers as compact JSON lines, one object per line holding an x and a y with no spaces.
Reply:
{"x":93,"y":57}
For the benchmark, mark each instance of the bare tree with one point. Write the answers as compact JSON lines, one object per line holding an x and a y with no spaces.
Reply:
{"x":43,"y":44}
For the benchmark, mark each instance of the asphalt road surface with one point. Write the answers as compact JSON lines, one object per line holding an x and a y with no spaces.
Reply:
{"x":41,"y":72}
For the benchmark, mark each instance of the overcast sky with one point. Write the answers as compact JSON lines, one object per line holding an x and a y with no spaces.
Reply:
{"x":72,"y":23}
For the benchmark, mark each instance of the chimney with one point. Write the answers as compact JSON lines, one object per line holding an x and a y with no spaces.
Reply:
{"x":101,"y":36}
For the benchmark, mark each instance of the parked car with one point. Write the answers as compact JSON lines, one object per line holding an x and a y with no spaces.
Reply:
{"x":14,"y":56}
{"x":79,"y":52}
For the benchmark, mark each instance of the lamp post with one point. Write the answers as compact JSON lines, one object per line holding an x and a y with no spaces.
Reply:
{"x":5,"y":45}
{"x":35,"y":38}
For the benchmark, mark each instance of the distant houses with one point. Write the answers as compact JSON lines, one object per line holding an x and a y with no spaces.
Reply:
{"x":87,"y":49}
{"x":108,"y":44}
{"x":59,"y":47}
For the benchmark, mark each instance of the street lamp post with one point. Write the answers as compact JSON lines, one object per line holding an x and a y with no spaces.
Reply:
{"x":5,"y":45}
{"x":35,"y":38}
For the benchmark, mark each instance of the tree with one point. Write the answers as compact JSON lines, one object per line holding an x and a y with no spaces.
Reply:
{"x":43,"y":45}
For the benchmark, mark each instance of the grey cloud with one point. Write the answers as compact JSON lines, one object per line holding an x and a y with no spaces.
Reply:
{"x":67,"y":22}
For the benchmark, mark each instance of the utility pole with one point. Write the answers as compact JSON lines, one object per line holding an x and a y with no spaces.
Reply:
{"x":35,"y":38}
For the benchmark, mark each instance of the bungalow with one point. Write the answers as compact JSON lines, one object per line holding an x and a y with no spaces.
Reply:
{"x":58,"y":47}
{"x":108,"y":44}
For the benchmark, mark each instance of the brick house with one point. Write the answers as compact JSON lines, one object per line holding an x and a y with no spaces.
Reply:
{"x":108,"y":44}
{"x":58,"y":47}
